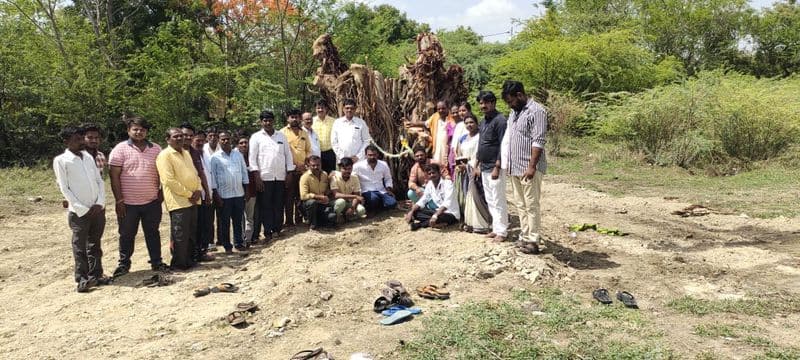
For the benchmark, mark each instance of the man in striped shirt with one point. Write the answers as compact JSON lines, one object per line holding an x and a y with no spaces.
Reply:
{"x":135,"y":183}
{"x":527,"y":163}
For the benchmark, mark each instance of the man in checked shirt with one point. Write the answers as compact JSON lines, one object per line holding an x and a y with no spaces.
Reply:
{"x":526,"y":128}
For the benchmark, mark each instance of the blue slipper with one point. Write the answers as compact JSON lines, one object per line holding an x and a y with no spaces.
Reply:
{"x":390,"y":311}
{"x":397,"y":317}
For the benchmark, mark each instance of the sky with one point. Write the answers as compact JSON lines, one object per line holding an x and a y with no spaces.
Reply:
{"x":491,"y":18}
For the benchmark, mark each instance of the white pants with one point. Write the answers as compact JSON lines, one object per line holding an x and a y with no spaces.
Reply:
{"x":526,"y":200}
{"x":495,"y":192}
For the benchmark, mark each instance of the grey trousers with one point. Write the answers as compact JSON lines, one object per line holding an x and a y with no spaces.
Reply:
{"x":86,"y":234}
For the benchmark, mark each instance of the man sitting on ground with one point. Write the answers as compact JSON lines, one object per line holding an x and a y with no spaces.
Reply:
{"x":440,"y":191}
{"x":347,"y":192}
{"x":417,"y":178}
{"x":376,"y":181}
{"x":314,"y":194}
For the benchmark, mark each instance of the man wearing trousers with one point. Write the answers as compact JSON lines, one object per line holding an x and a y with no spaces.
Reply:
{"x":489,"y":170}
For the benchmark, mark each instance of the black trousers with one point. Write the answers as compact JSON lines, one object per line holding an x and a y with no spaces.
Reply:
{"x":328,"y":160}
{"x":317,"y":213}
{"x":205,"y":229}
{"x":150,"y":217}
{"x":424,"y":217}
{"x":270,"y":208}
{"x":182,"y":225}
{"x":86,"y":249}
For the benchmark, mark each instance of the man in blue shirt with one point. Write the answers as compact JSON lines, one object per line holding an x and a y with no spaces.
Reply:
{"x":229,"y":172}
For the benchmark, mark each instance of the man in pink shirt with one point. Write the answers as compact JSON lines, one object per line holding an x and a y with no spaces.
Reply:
{"x":135,"y":183}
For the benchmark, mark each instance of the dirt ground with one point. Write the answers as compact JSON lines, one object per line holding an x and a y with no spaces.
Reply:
{"x":718,"y":256}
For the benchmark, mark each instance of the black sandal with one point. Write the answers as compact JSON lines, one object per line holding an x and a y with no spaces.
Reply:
{"x":602,"y":296}
{"x":627,"y":299}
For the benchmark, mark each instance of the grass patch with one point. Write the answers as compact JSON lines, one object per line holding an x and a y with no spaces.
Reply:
{"x":546,"y":324}
{"x":21,"y":183}
{"x":767,"y":190}
{"x":715,"y":330}
{"x":756,"y":307}
{"x":779,"y":353}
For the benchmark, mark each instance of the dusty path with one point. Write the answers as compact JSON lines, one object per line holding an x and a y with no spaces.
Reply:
{"x":664,"y":257}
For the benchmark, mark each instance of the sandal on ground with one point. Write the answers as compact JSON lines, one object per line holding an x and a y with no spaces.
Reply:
{"x":157,"y":280}
{"x":225,"y":288}
{"x":432,"y":292}
{"x":530,"y":248}
{"x":397,"y":317}
{"x":390,"y":311}
{"x":602,"y":296}
{"x":201,"y":291}
{"x":247,"y":306}
{"x":237,"y":318}
{"x":381,"y":303}
{"x":627,"y":299}
{"x":307,"y":354}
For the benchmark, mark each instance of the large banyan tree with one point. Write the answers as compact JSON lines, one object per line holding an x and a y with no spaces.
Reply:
{"x":390,"y":105}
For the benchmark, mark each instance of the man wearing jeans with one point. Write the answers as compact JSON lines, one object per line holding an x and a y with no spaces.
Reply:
{"x":230,"y":176}
{"x":80,"y":182}
{"x":492,"y":130}
{"x":271,"y":160}
{"x":527,"y":163}
{"x":376,"y":182}
{"x":135,"y":183}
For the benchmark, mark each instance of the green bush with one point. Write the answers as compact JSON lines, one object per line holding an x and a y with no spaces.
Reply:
{"x":714,"y":119}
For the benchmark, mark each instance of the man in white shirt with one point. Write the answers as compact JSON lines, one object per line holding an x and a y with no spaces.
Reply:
{"x":271,"y":160}
{"x":308,"y":121}
{"x":376,"y":181}
{"x":440,"y":192}
{"x":212,"y":146}
{"x":350,"y":134}
{"x":81,"y":184}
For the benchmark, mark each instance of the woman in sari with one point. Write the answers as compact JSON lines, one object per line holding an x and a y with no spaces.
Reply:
{"x":469,"y":189}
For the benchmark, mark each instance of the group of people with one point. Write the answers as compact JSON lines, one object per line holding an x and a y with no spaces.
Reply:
{"x":271,"y":179}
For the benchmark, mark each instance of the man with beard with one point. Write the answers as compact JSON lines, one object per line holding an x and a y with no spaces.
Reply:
{"x":79,"y":181}
{"x":271,"y":161}
{"x":376,"y":181}
{"x":314,"y":190}
{"x":135,"y":183}
{"x":182,"y":190}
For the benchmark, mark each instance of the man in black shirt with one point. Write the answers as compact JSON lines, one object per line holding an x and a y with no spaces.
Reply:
{"x":493,"y":178}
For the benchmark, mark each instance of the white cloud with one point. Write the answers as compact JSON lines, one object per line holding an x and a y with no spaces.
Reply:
{"x":487,"y":17}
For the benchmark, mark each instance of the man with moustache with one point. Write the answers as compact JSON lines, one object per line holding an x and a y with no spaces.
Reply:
{"x":81,"y":184}
{"x":229,"y":172}
{"x":301,"y":148}
{"x":193,"y":143}
{"x":489,"y":170}
{"x":323,"y":124}
{"x":182,"y":191}
{"x":350,"y":134}
{"x":308,"y":125}
{"x":135,"y":184}
{"x":271,"y":161}
{"x":376,"y":182}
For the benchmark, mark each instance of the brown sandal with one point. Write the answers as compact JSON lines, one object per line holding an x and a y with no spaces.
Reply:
{"x":237,"y":318}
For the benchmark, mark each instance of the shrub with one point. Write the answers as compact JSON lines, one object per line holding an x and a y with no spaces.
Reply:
{"x":716,"y":118}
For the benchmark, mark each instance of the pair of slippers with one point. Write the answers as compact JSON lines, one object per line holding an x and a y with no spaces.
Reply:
{"x":315,"y":354}
{"x":222,"y":287}
{"x":433,"y":292}
{"x":398,"y":313}
{"x":157,"y":280}
{"x":394,"y":294}
{"x":238,"y":318}
{"x":625,"y":297}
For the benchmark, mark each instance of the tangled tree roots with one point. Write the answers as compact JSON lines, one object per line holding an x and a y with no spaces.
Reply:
{"x":387,"y":103}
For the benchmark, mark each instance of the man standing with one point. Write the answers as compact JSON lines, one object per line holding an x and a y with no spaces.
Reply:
{"x":212,"y":146}
{"x":193,"y":143}
{"x":92,"y":139}
{"x":182,"y":191}
{"x":271,"y":160}
{"x":418,"y":177}
{"x":445,"y":210}
{"x":437,"y":125}
{"x":250,"y":235}
{"x":308,"y":126}
{"x":347,"y":192}
{"x":323,"y":124}
{"x":135,"y":183}
{"x":492,"y":130}
{"x":230,"y":176}
{"x":314,"y":191}
{"x":527,"y":163}
{"x":350,"y":134}
{"x":301,"y":148}
{"x":376,"y":181}
{"x":79,"y":181}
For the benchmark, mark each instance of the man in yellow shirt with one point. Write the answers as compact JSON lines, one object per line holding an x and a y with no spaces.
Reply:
{"x":181,"y":186}
{"x":300,"y":146}
{"x":323,"y":123}
{"x":346,"y":190}
{"x":314,"y":192}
